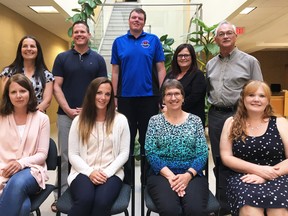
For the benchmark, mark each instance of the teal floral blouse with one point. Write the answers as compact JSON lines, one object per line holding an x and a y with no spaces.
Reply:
{"x":179,"y":147}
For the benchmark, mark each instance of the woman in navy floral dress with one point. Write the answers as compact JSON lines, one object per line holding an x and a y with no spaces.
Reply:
{"x":177,"y":151}
{"x":254,"y":145}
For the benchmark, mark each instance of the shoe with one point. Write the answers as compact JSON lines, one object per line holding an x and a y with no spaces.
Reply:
{"x":54,"y":207}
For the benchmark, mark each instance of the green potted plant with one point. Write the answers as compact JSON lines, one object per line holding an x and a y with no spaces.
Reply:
{"x":168,"y":50}
{"x":204,"y":42}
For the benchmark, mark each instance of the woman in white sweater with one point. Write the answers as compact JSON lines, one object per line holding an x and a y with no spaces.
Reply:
{"x":99,"y":142}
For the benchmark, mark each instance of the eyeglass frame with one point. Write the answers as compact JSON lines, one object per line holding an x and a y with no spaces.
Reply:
{"x":228,"y":34}
{"x":186,"y":56}
{"x":175,"y":94}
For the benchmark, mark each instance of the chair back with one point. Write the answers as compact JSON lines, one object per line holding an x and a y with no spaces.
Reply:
{"x":212,"y":207}
{"x":52,"y":162}
{"x":52,"y":157}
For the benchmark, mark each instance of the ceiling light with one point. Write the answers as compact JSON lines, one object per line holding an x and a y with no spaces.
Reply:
{"x":247,"y":10}
{"x":44,"y":9}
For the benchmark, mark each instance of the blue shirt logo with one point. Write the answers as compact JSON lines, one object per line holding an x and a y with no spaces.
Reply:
{"x":145,"y":44}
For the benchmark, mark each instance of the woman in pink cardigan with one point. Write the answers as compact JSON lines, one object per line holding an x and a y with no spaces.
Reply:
{"x":24,"y":143}
{"x":99,"y":141}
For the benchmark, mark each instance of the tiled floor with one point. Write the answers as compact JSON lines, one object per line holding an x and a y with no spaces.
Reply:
{"x":45,"y":208}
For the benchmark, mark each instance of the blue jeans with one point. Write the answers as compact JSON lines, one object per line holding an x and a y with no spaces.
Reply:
{"x":15,"y":200}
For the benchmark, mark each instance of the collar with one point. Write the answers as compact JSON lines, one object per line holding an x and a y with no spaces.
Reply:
{"x":231,"y":54}
{"x":141,"y":35}
{"x":76,"y":52}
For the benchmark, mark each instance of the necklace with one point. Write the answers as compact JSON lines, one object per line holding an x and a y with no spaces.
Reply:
{"x":255,"y":127}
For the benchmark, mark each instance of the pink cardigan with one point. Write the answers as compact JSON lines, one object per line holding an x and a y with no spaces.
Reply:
{"x":31,"y":150}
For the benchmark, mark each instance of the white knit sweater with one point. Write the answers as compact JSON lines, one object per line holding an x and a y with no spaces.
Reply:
{"x":78,"y":151}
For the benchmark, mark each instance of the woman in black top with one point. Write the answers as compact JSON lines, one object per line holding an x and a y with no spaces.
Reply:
{"x":184,"y":68}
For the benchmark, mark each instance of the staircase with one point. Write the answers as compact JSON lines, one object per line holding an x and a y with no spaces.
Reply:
{"x":118,"y":25}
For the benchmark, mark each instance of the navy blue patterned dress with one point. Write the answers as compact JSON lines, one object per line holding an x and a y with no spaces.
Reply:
{"x":267,"y":149}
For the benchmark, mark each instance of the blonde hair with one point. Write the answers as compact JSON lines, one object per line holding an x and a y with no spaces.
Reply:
{"x":238,"y":129}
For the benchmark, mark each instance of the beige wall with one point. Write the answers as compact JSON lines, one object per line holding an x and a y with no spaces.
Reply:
{"x":13,"y":28}
{"x":274,"y":65}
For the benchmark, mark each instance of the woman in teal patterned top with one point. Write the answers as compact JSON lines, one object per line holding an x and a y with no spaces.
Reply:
{"x":177,"y":152}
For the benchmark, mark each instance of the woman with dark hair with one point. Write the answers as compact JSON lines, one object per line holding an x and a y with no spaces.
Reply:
{"x":177,"y":152}
{"x":184,"y":68}
{"x":30,"y":61}
{"x":254,"y":145}
{"x":24,"y":147}
{"x":99,"y":142}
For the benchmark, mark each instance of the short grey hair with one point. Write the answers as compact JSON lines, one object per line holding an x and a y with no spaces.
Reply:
{"x":222,"y":23}
{"x":172,"y":83}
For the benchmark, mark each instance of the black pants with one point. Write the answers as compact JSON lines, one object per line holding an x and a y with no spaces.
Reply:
{"x":90,"y":199}
{"x":216,"y":120}
{"x":169,"y":203}
{"x":138,"y":111}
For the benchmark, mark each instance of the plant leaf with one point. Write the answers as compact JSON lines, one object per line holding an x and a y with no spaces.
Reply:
{"x":70,"y":31}
{"x":213,"y":49}
{"x":76,"y":17}
{"x":169,"y":41}
{"x":92,"y":4}
{"x":88,"y":10}
{"x":194,"y":40}
{"x":98,"y":2}
{"x":68,"y":19}
{"x":200,"y":23}
{"x":198,"y":48}
{"x":83,"y":16}
{"x":212,"y":28}
{"x":76,"y":10}
{"x":163,"y":37}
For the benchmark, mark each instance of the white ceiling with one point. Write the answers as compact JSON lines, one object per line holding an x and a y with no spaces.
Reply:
{"x":55,"y":23}
{"x":265,"y":28}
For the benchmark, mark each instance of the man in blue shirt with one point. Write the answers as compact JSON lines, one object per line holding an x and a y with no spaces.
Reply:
{"x":137,"y":74}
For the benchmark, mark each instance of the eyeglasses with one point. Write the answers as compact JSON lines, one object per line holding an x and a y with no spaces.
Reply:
{"x":186,"y":56}
{"x":175,"y":94}
{"x":228,"y":34}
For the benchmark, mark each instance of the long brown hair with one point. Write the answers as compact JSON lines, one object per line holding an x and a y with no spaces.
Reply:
{"x":18,"y":64}
{"x":89,"y":111}
{"x":238,"y":129}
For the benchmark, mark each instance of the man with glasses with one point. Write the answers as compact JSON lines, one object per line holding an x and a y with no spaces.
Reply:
{"x":226,"y":75}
